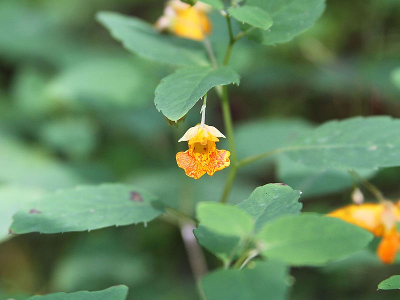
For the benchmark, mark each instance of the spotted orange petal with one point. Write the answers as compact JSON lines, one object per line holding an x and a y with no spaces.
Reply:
{"x":219,"y":160}
{"x":192,"y":167}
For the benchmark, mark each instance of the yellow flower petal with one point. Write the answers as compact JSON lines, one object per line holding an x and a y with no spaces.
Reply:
{"x":184,"y":20}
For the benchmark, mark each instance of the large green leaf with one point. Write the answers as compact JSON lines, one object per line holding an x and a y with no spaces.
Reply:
{"x":141,"y":38}
{"x":12,"y":198}
{"x":363,"y":143}
{"x":217,"y":4}
{"x":392,"y":283}
{"x":271,"y":201}
{"x":264,"y":280}
{"x":119,"y":292}
{"x":252,"y":15}
{"x":315,"y":181}
{"x":87,"y":208}
{"x":310,"y":239}
{"x":254,"y":138}
{"x":224,"y":219}
{"x":179,"y":92}
{"x":290,"y":17}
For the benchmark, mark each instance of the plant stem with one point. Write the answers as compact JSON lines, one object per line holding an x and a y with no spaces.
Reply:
{"x":243,"y":33}
{"x":210,"y":52}
{"x":372,"y":188}
{"x":226,"y":112}
{"x":181,"y":216}
{"x":254,"y":158}
{"x":232,"y":41}
{"x":195,"y":254}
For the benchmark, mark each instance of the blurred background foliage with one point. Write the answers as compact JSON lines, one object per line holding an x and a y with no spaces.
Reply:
{"x":76,"y":108}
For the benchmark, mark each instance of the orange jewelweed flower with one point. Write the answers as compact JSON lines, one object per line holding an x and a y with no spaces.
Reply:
{"x":380,"y":219}
{"x":203,"y":155}
{"x":186,"y":21}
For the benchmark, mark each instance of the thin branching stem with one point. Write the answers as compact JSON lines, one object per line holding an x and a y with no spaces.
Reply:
{"x":370,"y":187}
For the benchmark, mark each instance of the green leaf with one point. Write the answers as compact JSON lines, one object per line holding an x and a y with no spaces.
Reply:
{"x":271,"y":201}
{"x":141,"y":38}
{"x":290,"y":17}
{"x":12,"y":198}
{"x":363,"y":143}
{"x":396,"y":77}
{"x":259,"y":281}
{"x":179,"y":92}
{"x":251,"y":15}
{"x":217,"y":4}
{"x":254,"y":138}
{"x":310,"y":239}
{"x":87,"y":208}
{"x":119,"y":292}
{"x":392,"y":283}
{"x":315,"y":181}
{"x":224,"y":219}
{"x":224,"y":247}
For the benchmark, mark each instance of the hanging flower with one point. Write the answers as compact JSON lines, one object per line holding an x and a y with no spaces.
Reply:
{"x":186,"y":21}
{"x":380,"y":219}
{"x":203,"y":155}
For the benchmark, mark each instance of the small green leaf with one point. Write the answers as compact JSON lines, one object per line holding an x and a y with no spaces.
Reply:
{"x":259,"y":281}
{"x":271,"y":201}
{"x":119,"y":292}
{"x":290,"y":17}
{"x":392,"y":283}
{"x":87,"y":208}
{"x":224,"y":219}
{"x":224,"y":247}
{"x":310,"y":239}
{"x":252,"y":15}
{"x":217,"y":4}
{"x":179,"y":92}
{"x":141,"y":38}
{"x":363,"y":143}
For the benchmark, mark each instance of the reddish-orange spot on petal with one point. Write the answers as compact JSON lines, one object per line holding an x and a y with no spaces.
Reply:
{"x":191,"y":166}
